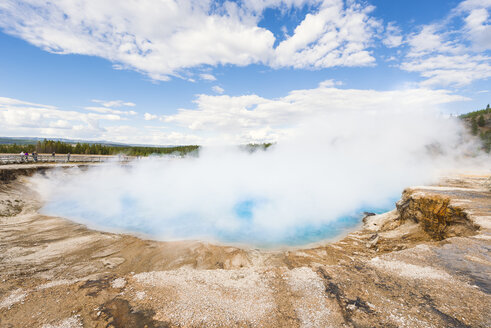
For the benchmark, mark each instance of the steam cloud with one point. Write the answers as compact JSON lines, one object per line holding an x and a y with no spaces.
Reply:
{"x":304,"y":188}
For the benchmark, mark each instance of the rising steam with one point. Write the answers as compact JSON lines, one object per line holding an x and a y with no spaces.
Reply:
{"x":307,"y":187}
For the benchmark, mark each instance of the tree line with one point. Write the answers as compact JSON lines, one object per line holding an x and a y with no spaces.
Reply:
{"x":477,"y":120}
{"x":59,"y":147}
{"x":477,"y":113}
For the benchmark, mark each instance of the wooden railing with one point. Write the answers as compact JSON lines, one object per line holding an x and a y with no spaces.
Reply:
{"x":59,"y":158}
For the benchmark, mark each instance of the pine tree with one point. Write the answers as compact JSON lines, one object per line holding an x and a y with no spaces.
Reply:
{"x":481,"y":122}
{"x":474,"y":128}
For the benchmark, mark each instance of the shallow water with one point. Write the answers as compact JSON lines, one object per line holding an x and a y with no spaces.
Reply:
{"x":132,"y":219}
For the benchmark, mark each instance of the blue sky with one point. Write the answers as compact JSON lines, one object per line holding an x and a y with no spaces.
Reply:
{"x":174,"y":72}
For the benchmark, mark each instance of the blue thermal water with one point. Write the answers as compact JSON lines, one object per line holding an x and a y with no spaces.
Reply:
{"x":132,"y":217}
{"x":302,"y":234}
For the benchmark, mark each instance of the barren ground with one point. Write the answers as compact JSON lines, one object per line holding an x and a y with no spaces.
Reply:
{"x":425,"y":264}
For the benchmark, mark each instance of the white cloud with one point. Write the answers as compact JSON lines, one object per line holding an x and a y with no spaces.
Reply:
{"x":337,"y":35}
{"x":218,"y":89}
{"x":190,"y":32}
{"x":114,"y":103}
{"x":252,"y":118}
{"x":220,"y":118}
{"x":149,"y":117}
{"x":393,"y":36}
{"x":20,"y":118}
{"x":446,"y":55}
{"x":163,"y":38}
{"x":149,"y":135}
{"x":207,"y":77}
{"x":60,"y":124}
{"x":478,"y":28}
{"x":106,"y":110}
{"x":259,"y":5}
{"x":25,"y":119}
{"x":330,"y":83}
{"x":430,"y":39}
{"x":458,"y":70}
{"x":4,"y":102}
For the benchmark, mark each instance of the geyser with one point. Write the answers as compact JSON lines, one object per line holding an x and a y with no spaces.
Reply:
{"x":311,"y":186}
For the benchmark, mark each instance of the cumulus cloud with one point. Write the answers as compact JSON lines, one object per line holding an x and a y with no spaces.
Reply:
{"x":26,"y":119}
{"x":150,"y":135}
{"x":393,"y":36}
{"x":21,"y":118}
{"x":218,"y":89}
{"x":166,"y":38}
{"x":207,"y":77}
{"x":457,"y":70}
{"x":107,"y":104}
{"x":149,"y":117}
{"x":252,"y":118}
{"x":477,"y":22}
{"x":447,"y":56}
{"x":106,"y":110}
{"x":190,"y":32}
{"x":337,"y":35}
{"x":194,"y":33}
{"x":114,"y":103}
{"x":221,"y":119}
{"x":259,"y":5}
{"x":330,"y":83}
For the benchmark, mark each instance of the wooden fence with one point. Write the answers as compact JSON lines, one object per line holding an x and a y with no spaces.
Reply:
{"x":59,"y":158}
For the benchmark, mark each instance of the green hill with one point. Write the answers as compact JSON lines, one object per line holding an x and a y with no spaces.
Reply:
{"x":479,"y":122}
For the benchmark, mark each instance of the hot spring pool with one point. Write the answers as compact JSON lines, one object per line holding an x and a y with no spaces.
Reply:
{"x":132,"y":217}
{"x":244,"y":199}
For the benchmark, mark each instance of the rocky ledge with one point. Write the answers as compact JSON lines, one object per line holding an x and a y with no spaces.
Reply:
{"x":425,"y":264}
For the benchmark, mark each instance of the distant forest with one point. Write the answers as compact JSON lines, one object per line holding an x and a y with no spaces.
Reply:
{"x":479,"y":122}
{"x":60,"y":147}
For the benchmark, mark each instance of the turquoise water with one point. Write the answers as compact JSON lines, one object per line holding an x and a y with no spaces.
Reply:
{"x":131,"y":217}
{"x":301,"y":234}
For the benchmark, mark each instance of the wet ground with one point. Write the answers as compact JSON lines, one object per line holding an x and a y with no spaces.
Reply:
{"x":426,"y":264}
